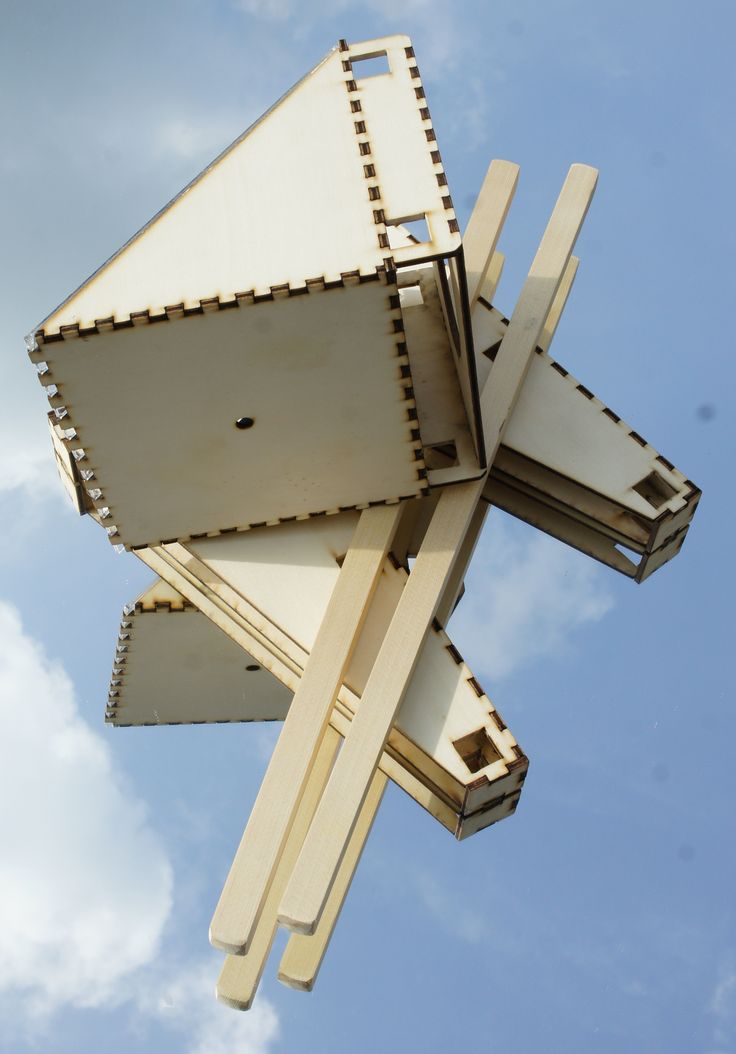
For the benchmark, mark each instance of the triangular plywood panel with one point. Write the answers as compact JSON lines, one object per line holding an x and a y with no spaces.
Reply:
{"x":567,"y":457}
{"x":183,"y":670}
{"x":306,"y":192}
{"x":276,"y":583}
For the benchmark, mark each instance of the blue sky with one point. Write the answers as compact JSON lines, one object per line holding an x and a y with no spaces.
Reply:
{"x":601,"y":916}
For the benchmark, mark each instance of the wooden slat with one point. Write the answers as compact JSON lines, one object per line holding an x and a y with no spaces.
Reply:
{"x":247,"y":884}
{"x":241,"y":974}
{"x":535,"y":303}
{"x":304,"y":900}
{"x":486,"y":221}
{"x":493,"y":277}
{"x":303,"y":955}
{"x":455,"y":583}
{"x":558,"y":304}
{"x":306,"y":894}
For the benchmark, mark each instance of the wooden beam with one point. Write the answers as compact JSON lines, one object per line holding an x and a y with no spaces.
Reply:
{"x":247,"y":884}
{"x":558,"y":304}
{"x":454,"y":585}
{"x":241,"y":974}
{"x":325,"y":845}
{"x":493,"y":277}
{"x":510,"y":367}
{"x":303,"y":955}
{"x":485,"y":224}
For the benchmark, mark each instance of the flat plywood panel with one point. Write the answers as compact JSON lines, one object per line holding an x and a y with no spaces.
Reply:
{"x":571,"y":450}
{"x":288,"y":201}
{"x":286,"y":575}
{"x":181,"y":669}
{"x":320,"y":376}
{"x":399,"y":131}
{"x":443,"y":420}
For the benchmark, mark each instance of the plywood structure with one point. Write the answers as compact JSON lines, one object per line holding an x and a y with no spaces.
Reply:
{"x":297,"y":400}
{"x":449,"y":749}
{"x":571,"y":466}
{"x":291,"y":395}
{"x":307,"y":192}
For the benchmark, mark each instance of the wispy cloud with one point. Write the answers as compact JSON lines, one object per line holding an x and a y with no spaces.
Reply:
{"x":186,"y":1004}
{"x":427,"y":20}
{"x":456,"y":917}
{"x":722,"y":1009}
{"x":86,"y":882}
{"x":527,"y":595}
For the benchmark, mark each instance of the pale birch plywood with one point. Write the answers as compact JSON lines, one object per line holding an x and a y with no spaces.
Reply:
{"x":67,"y":468}
{"x":568,"y":455}
{"x":336,"y":815}
{"x":485,"y":225}
{"x":303,"y":956}
{"x":399,"y":132}
{"x":516,"y":351}
{"x":312,"y":879}
{"x":444,"y":704}
{"x":241,"y":974}
{"x":442,"y":415}
{"x":459,"y":284}
{"x":182,"y":670}
{"x":272,"y":816}
{"x":285,"y":576}
{"x":155,"y":409}
{"x":288,"y":201}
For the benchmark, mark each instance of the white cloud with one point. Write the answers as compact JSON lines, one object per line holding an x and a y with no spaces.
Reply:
{"x":186,"y":1003}
{"x":526,"y":596}
{"x":273,"y":10}
{"x":86,"y":883}
{"x":722,"y":1008}
{"x":456,"y":916}
{"x":198,"y":139}
{"x":29,"y":467}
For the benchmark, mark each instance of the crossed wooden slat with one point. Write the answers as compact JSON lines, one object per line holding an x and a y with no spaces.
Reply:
{"x":288,"y":863}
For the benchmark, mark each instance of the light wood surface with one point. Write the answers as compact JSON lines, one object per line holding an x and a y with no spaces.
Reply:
{"x":303,"y":955}
{"x":325,"y":844}
{"x":558,"y":304}
{"x":486,"y":222}
{"x":330,"y":430}
{"x":510,"y":367}
{"x":273,"y":813}
{"x":443,"y":705}
{"x":454,"y":584}
{"x":288,"y":200}
{"x":241,"y":974}
{"x":312,"y":878}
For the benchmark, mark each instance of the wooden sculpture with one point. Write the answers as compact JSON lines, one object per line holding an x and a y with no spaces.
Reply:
{"x":284,"y":388}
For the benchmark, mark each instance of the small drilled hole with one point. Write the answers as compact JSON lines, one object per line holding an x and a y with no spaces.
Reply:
{"x":252,"y":668}
{"x":244,"y":422}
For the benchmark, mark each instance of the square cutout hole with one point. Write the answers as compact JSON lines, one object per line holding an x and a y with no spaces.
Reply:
{"x":655,"y":489}
{"x":415,"y":226}
{"x":441,"y":455}
{"x":477,"y":750}
{"x":370,"y":65}
{"x":411,"y":296}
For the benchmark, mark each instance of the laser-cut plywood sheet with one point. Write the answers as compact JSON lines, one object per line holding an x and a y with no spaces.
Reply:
{"x":281,"y":579}
{"x":306,"y":192}
{"x":155,"y":408}
{"x":566,"y":450}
